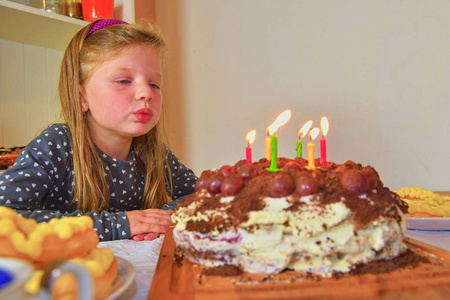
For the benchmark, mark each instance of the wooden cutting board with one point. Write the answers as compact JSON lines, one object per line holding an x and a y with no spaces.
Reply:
{"x":187,"y":281}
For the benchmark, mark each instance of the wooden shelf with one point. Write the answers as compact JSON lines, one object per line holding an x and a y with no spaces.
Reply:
{"x":29,"y":25}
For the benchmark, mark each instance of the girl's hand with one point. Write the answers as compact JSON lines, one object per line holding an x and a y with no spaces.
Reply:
{"x":146,"y":236}
{"x":148,"y":224}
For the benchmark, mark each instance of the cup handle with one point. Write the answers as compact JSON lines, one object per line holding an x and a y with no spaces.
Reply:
{"x":56,"y":269}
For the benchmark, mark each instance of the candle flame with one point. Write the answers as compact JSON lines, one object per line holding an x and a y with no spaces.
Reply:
{"x":324,"y":125}
{"x":250,"y":137}
{"x":280,"y":121}
{"x":314,"y":133}
{"x":305,"y":128}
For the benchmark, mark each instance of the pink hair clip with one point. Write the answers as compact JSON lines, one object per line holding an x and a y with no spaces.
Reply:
{"x":103,"y":23}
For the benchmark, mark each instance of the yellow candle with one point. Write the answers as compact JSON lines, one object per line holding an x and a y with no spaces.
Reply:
{"x":311,"y":155}
{"x":311,"y":148}
{"x":268,"y":146}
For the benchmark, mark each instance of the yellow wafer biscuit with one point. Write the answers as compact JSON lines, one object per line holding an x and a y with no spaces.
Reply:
{"x":425,"y":203}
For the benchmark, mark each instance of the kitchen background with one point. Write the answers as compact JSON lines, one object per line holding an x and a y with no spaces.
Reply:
{"x":379,"y":70}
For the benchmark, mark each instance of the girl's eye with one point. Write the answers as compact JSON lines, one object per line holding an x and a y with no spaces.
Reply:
{"x":123,"y":81}
{"x":154,"y":86}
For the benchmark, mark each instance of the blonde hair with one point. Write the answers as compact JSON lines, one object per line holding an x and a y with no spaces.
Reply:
{"x":81,"y":57}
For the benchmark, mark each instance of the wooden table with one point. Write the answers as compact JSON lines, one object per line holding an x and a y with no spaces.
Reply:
{"x":186,"y":281}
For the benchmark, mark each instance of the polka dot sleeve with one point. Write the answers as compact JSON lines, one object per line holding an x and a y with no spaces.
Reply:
{"x":183,"y":178}
{"x":39,"y":185}
{"x":38,"y":175}
{"x":109,"y":226}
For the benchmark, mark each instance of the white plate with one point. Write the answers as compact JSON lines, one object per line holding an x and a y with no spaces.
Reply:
{"x":21,"y":272}
{"x":429,"y":223}
{"x":124,"y":279}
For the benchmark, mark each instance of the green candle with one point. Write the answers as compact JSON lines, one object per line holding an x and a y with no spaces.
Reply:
{"x":299,"y":148}
{"x":303,"y":131}
{"x":273,"y":163}
{"x":272,"y":129}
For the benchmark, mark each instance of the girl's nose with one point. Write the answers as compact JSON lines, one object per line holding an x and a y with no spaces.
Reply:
{"x":144,"y":92}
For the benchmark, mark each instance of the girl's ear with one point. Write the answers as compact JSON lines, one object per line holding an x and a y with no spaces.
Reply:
{"x":83,"y":101}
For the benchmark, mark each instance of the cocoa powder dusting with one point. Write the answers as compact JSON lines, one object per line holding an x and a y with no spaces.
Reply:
{"x":407,"y":260}
{"x":332,"y":189}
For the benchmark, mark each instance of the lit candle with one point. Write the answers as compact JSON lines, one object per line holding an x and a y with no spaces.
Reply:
{"x":274,"y":146}
{"x":311,"y":148}
{"x":268,"y":143}
{"x":250,"y":137}
{"x":299,"y":147}
{"x":323,"y":142}
{"x":303,"y":131}
{"x":280,"y":121}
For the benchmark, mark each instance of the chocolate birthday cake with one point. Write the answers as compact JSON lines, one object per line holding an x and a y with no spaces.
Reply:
{"x":324,"y":220}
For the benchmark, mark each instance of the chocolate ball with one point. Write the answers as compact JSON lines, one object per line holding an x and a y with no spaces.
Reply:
{"x":292,"y":166}
{"x":372,"y":177}
{"x":214,"y":183}
{"x":248,"y":171}
{"x":202,"y":181}
{"x":281,"y":185}
{"x":226,"y":170}
{"x":232,"y":185}
{"x":307,"y":185}
{"x":355,"y":181}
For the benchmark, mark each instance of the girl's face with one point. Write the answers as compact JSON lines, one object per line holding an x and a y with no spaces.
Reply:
{"x":122,"y":98}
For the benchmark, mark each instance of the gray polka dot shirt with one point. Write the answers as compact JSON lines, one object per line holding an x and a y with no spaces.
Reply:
{"x":39,"y":185}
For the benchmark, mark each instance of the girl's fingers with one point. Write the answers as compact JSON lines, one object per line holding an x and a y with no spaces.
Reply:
{"x":138,"y":237}
{"x":158,"y":221}
{"x":151,"y":236}
{"x":157,"y":228}
{"x":148,"y":221}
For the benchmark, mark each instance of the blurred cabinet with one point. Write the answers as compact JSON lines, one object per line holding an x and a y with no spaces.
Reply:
{"x":29,"y":25}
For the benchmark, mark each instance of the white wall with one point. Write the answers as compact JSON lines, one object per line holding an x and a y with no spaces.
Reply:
{"x":28,"y":91}
{"x":379,"y":70}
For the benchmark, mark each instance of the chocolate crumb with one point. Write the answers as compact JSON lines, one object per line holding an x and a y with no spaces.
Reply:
{"x":224,"y":271}
{"x":178,"y":257}
{"x":407,"y":260}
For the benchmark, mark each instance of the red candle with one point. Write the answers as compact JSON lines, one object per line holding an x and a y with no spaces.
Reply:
{"x":248,"y":154}
{"x":323,"y":142}
{"x":250,"y":137}
{"x":323,"y":151}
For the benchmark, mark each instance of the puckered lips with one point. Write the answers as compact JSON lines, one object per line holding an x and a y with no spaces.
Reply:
{"x":144,"y":114}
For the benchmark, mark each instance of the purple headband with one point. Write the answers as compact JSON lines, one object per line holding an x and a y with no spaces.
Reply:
{"x":103,"y":23}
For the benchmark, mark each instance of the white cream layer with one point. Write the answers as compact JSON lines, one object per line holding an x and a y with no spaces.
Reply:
{"x":313,"y":239}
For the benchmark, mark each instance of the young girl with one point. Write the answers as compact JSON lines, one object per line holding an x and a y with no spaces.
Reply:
{"x":108,"y":161}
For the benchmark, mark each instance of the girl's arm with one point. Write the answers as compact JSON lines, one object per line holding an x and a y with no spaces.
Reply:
{"x":39,"y":185}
